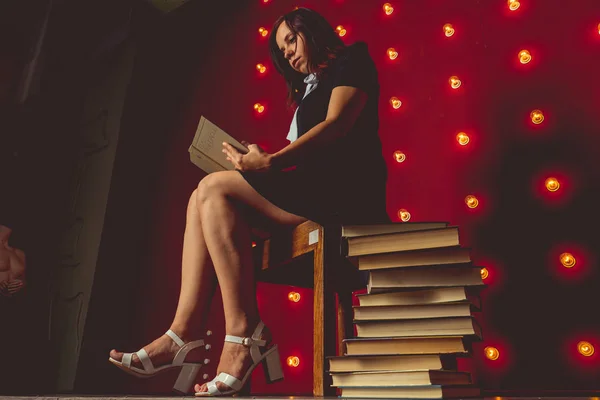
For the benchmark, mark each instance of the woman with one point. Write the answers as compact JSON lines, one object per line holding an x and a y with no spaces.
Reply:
{"x":339,"y":177}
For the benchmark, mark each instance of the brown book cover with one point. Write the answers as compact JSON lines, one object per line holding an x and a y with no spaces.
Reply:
{"x":206,"y":148}
{"x":400,"y":378}
{"x":401,"y":241}
{"x":393,"y":227}
{"x":385,"y":280}
{"x":446,"y":326}
{"x":408,"y":297}
{"x":407,"y":345}
{"x":373,"y":313}
{"x":392,"y":362}
{"x":415,"y":258}
{"x":412,"y":392}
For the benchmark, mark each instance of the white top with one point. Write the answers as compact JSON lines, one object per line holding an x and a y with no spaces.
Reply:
{"x":312,"y":82}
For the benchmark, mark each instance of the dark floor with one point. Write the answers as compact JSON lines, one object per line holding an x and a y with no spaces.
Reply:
{"x":75,"y":397}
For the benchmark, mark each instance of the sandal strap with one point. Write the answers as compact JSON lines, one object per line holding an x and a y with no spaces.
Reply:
{"x":212,"y":387}
{"x":253,"y":342}
{"x":142,"y":356}
{"x":175,"y":338}
{"x":245,"y":341}
{"x":185,"y":349}
{"x":145,"y":360}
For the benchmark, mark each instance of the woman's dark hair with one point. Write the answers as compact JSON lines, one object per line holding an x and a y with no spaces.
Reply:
{"x":322,"y":46}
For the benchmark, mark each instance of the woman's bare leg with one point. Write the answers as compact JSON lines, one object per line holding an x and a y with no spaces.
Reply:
{"x":198,"y":279}
{"x":198,"y":284}
{"x":227,"y":232}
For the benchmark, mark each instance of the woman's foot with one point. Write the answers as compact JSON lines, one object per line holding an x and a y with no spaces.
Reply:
{"x":235,"y":360}
{"x":161,"y":352}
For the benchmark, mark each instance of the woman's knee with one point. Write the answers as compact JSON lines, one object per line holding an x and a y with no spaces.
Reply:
{"x":208,"y":187}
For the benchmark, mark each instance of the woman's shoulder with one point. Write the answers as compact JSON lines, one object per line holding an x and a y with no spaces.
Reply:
{"x":355,"y":52}
{"x":355,"y":67}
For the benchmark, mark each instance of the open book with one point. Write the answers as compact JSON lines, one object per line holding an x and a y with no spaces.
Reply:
{"x":206,"y":149}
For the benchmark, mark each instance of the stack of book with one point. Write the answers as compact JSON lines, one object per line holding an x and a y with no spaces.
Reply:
{"x":415,"y":318}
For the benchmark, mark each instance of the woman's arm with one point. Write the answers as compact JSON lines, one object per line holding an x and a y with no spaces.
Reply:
{"x":345,"y":105}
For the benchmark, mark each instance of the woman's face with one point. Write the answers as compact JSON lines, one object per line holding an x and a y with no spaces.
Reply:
{"x":293,"y":48}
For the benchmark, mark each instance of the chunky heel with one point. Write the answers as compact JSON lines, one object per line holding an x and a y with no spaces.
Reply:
{"x":272,"y":365}
{"x":186,"y":378}
{"x":269,"y":359}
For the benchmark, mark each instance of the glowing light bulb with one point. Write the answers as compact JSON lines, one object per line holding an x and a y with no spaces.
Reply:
{"x":294,"y":296}
{"x":261,"y":68}
{"x":524,"y":56}
{"x":462,"y":138}
{"x":585,"y":348}
{"x":448,"y":30}
{"x":399,"y":156}
{"x":537,"y":117}
{"x":263,"y":32}
{"x":567,"y":260}
{"x":259,"y":108}
{"x":253,"y":244}
{"x":404,"y":215}
{"x":392,"y":53}
{"x":484,"y":273}
{"x":513,"y":5}
{"x":471,"y":201}
{"x":265,"y":1}
{"x":293,"y":361}
{"x":598,"y":29}
{"x":552,"y":184}
{"x":388,"y":9}
{"x":454,"y":82}
{"x":491,"y":353}
{"x":340,"y":30}
{"x":395,"y":102}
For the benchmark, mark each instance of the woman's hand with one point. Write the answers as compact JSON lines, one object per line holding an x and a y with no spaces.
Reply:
{"x":255,"y":160}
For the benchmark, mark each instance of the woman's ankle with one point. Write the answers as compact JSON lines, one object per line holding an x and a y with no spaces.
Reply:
{"x":242,"y":326}
{"x":185,"y":333}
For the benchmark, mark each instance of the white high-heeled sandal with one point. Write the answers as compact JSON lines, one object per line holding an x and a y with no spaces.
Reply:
{"x":189,"y":370}
{"x":269,"y":359}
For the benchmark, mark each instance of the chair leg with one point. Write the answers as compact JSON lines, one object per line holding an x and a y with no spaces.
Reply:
{"x":324,"y":313}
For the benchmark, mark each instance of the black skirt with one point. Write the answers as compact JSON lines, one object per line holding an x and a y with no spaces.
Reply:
{"x":321,"y":196}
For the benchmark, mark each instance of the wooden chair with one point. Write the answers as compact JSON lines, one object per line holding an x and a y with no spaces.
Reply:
{"x":309,"y":255}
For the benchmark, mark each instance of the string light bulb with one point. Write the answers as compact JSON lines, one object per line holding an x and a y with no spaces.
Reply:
{"x":404,"y":215}
{"x":537,"y":117}
{"x":392,"y":53}
{"x":388,"y":9}
{"x":524,"y":56}
{"x":471,"y":201}
{"x":448,"y":30}
{"x":586,"y":349}
{"x":491,"y":353}
{"x":484,"y":273}
{"x":259,"y":108}
{"x":598,"y":29}
{"x":293,"y":361}
{"x":462,"y":138}
{"x":261,"y":68}
{"x":552,"y":184}
{"x":294,"y":296}
{"x":567,"y":260}
{"x":341,"y":31}
{"x":454,"y":82}
{"x":263,"y":32}
{"x":395,"y":102}
{"x":513,"y":5}
{"x":399,"y":156}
